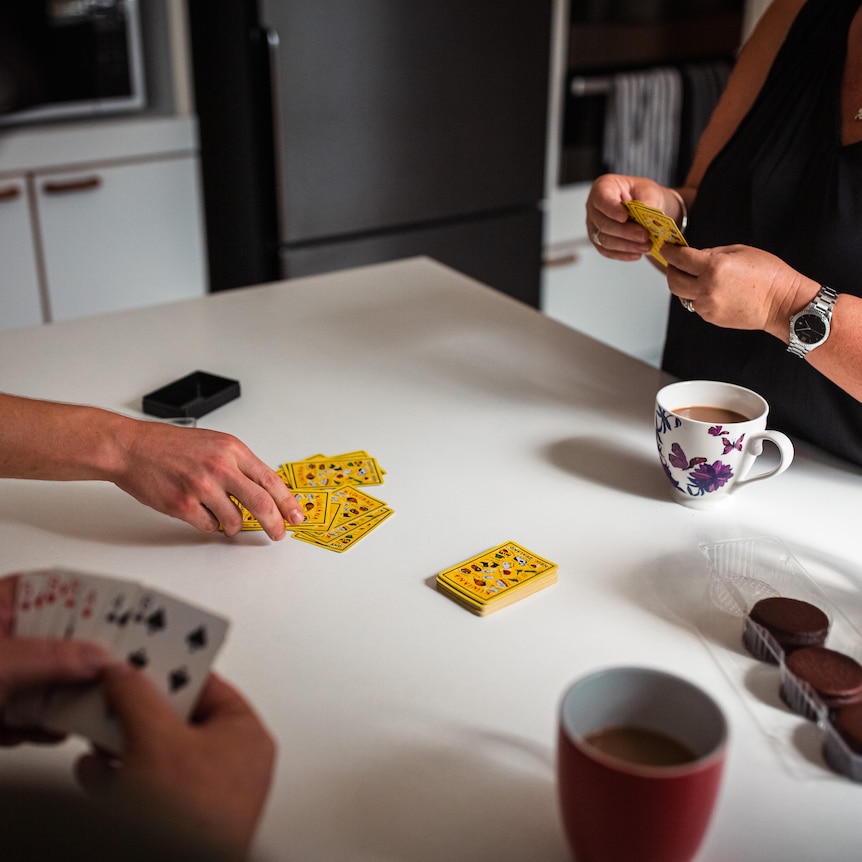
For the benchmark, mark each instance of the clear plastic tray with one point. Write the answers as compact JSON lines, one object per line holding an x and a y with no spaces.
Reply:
{"x":743,"y":571}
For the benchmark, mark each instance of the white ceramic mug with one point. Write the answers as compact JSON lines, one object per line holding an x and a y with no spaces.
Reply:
{"x":708,"y":458}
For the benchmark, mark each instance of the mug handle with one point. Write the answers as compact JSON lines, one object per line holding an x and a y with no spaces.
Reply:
{"x":754,"y":447}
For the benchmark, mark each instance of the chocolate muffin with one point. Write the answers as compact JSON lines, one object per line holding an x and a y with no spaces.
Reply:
{"x":846,"y":727}
{"x":835,"y":678}
{"x":792,"y":623}
{"x":848,"y":723}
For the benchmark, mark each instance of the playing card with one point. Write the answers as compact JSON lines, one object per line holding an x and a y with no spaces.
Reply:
{"x":352,"y":503}
{"x":29,"y":606}
{"x":104,"y":609}
{"x":172,"y":642}
{"x":37,"y":602}
{"x":33,"y":616}
{"x":346,"y":535}
{"x":497,"y":577}
{"x":317,"y":508}
{"x":662,"y":228}
{"x":333,"y":472}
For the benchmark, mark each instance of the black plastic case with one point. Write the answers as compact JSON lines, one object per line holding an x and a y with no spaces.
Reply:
{"x":194,"y":395}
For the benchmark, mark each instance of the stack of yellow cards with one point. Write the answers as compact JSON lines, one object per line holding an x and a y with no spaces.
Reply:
{"x":502,"y":575}
{"x":338,"y":512}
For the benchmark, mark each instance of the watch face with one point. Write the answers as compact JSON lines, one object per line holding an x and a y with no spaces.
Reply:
{"x":810,"y":328}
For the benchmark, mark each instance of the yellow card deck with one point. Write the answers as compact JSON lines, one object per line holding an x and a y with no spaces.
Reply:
{"x":661,"y":228}
{"x":497,"y":578}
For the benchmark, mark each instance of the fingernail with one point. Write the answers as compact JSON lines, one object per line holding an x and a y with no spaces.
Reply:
{"x":296,"y":518}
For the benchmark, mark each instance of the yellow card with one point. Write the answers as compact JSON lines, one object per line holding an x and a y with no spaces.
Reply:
{"x":315,"y":505}
{"x":661,"y":228}
{"x":332,"y":472}
{"x":346,"y":535}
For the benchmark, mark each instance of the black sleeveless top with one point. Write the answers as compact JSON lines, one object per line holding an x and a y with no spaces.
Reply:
{"x":784,"y":183}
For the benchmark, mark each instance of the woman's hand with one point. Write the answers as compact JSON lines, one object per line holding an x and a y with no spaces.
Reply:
{"x":738,"y":287}
{"x":608,"y":224}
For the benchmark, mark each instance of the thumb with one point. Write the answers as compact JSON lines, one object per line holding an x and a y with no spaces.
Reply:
{"x":26,"y":662}
{"x":684,"y":258}
{"x":140,"y":708}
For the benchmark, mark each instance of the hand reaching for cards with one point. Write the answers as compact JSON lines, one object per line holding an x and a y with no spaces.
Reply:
{"x":189,"y":474}
{"x":609,"y":227}
{"x":738,"y":287}
{"x":215,"y":772}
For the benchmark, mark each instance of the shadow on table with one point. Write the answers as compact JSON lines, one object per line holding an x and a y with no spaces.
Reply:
{"x":481,"y":796}
{"x":97,"y":512}
{"x":612,"y":463}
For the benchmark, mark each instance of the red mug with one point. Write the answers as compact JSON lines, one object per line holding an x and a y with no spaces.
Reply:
{"x":617,"y":810}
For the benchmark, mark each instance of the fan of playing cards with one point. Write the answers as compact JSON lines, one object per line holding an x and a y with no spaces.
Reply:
{"x":173,"y":642}
{"x":330,"y":489}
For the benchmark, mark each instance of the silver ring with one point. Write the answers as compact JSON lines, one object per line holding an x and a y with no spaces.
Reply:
{"x":687,"y":304}
{"x":596,"y":236}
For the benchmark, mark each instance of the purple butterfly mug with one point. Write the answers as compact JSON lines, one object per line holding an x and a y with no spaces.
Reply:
{"x":708,"y":435}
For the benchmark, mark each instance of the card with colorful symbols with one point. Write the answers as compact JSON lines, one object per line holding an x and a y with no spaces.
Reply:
{"x":338,"y":511}
{"x":661,"y":228}
{"x":496,"y":578}
{"x":332,"y":471}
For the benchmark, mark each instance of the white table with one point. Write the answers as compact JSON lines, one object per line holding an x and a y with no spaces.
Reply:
{"x":409,"y":728}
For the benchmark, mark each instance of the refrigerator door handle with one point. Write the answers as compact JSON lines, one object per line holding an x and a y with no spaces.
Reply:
{"x":273,"y":47}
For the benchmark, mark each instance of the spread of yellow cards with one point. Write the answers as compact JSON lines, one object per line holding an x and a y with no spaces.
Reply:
{"x":338,"y":512}
{"x":661,"y":228}
{"x":492,"y":580}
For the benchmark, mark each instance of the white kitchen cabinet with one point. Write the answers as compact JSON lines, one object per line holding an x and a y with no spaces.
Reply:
{"x":119,"y":237}
{"x":109,"y":218}
{"x":623,"y":304}
{"x":20,"y":301}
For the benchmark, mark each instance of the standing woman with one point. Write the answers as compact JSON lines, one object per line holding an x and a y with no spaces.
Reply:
{"x":774,"y":204}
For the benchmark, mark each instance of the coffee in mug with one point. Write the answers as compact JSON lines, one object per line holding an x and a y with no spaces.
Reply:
{"x":640,"y":745}
{"x":711,"y":414}
{"x":613,"y":807}
{"x":708,"y":435}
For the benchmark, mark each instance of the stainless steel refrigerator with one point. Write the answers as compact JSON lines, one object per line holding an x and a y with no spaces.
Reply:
{"x":336,"y":133}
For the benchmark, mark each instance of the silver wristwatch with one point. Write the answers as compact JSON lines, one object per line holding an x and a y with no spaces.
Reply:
{"x":810,"y":327}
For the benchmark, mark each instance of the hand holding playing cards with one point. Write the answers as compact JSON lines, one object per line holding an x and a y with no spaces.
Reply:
{"x":215,"y":772}
{"x":29,"y":662}
{"x":609,"y":224}
{"x":738,"y":287}
{"x":187,"y":473}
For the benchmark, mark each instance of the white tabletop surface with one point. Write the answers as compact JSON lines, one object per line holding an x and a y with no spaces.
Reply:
{"x":410,"y":729}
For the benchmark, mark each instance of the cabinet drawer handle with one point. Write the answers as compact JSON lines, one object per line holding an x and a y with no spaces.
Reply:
{"x":10,"y":193}
{"x":63,"y":187}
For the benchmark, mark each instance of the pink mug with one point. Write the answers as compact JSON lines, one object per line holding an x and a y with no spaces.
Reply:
{"x":616,"y":809}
